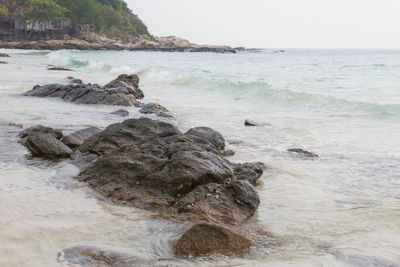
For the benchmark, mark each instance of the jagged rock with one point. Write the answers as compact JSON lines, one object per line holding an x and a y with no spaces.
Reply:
{"x":76,"y":139}
{"x":248,"y":171}
{"x":154,"y":108}
{"x":41,"y":129}
{"x":206,"y":239}
{"x":92,"y":256}
{"x":4,"y":55}
{"x":130,"y":80}
{"x":46,"y":146}
{"x":251,"y":123}
{"x":210,"y":135}
{"x":302,"y":152}
{"x":150,"y":164}
{"x":121,"y":112}
{"x":114,"y":93}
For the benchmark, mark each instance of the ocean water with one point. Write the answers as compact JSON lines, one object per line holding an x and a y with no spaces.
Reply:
{"x":342,"y":209}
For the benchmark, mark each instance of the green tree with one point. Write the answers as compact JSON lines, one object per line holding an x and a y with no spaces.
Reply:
{"x":82,"y":13}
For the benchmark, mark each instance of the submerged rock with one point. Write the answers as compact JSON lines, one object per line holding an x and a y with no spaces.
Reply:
{"x":150,"y":164}
{"x":46,"y":146}
{"x":92,"y":256}
{"x":210,"y":135}
{"x":154,"y":108}
{"x":76,"y":139}
{"x":206,"y":239}
{"x":57,"y":68}
{"x":116,"y":92}
{"x":302,"y":152}
{"x":71,"y":79}
{"x":121,"y":112}
{"x":4,"y":55}
{"x":251,"y":123}
{"x":3,"y":62}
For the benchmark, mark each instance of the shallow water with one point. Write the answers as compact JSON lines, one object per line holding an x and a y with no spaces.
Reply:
{"x":341,"y":104}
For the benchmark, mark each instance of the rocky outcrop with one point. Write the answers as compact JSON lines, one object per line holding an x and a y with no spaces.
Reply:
{"x":76,"y":139}
{"x":303,"y":153}
{"x":46,"y":146}
{"x":154,"y":108}
{"x":96,"y":42}
{"x":205,"y":239}
{"x":150,"y":164}
{"x":117,"y":92}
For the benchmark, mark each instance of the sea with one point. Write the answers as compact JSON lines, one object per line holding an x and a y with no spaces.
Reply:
{"x":340,"y":209}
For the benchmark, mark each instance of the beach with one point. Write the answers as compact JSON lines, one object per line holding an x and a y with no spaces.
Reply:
{"x":338,"y":209}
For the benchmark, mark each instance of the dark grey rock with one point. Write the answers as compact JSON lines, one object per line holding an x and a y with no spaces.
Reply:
{"x":251,"y":123}
{"x":210,"y":135}
{"x":154,"y":108}
{"x":41,"y":129}
{"x":76,"y":139}
{"x":114,"y":93}
{"x":121,"y":112}
{"x":302,"y":152}
{"x":46,"y":146}
{"x":248,"y":171}
{"x":3,"y":62}
{"x":4,"y":55}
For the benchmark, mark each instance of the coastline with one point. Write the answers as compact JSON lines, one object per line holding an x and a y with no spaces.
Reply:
{"x":97,"y":42}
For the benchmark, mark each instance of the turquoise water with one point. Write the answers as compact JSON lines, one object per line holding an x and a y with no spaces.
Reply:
{"x":341,"y":104}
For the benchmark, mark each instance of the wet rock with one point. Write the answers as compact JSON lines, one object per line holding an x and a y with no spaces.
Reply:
{"x":366,"y":261}
{"x":41,"y":129}
{"x":303,"y":153}
{"x":248,"y":171}
{"x":71,"y":79}
{"x":3,"y":62}
{"x":76,"y":139}
{"x":210,"y":135}
{"x":206,"y":239}
{"x":114,"y":93}
{"x":58,"y":68}
{"x":46,"y":146}
{"x":251,"y":123}
{"x":4,"y":55}
{"x":18,"y":125}
{"x":228,"y":153}
{"x":154,"y":108}
{"x":130,"y":80}
{"x":150,"y":164}
{"x":92,"y":256}
{"x":121,"y":112}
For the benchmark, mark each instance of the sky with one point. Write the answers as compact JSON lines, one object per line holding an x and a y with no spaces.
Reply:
{"x":276,"y":23}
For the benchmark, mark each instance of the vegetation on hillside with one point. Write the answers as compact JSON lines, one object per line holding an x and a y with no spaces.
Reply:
{"x":110,"y":17}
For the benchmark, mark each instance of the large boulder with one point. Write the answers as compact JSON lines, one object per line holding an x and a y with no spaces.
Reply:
{"x":210,"y":135}
{"x":131,"y":80}
{"x":150,"y":164}
{"x":206,"y":239}
{"x":76,"y":139}
{"x":114,"y":93}
{"x":41,"y":129}
{"x":46,"y":146}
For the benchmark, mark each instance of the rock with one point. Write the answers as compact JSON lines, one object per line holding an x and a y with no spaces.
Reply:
{"x":71,"y":79}
{"x":58,"y":68}
{"x":121,"y":112}
{"x":248,"y":171}
{"x":4,"y":55}
{"x":41,"y":129}
{"x":130,"y":80}
{"x":154,"y":108}
{"x":206,"y":239}
{"x":92,"y":256}
{"x":3,"y":62}
{"x":251,"y":123}
{"x":228,"y":153}
{"x":77,"y":138}
{"x":303,"y":152}
{"x":46,"y":146}
{"x":151,"y":165}
{"x":114,"y":93}
{"x":210,"y":135}
{"x":18,"y":125}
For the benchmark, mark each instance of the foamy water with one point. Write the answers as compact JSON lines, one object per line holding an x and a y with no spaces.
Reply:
{"x":341,"y":104}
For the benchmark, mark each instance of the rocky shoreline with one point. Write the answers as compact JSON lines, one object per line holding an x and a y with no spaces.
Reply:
{"x":150,"y":164}
{"x":95,"y":42}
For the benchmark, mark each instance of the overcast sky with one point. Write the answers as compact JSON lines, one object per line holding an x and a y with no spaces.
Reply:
{"x":276,"y":23}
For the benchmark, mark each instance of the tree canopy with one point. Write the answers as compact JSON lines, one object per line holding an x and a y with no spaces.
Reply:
{"x":110,"y":17}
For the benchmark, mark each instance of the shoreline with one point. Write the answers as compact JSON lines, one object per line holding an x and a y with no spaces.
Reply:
{"x":96,"y":42}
